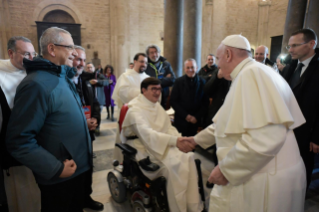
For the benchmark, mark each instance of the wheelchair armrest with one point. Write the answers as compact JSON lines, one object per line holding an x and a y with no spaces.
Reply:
{"x":126,"y":148}
{"x":147,"y":165}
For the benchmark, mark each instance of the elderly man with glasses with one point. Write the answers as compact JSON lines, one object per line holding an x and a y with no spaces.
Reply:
{"x":12,"y":72}
{"x":47,"y":130}
{"x":303,"y":77}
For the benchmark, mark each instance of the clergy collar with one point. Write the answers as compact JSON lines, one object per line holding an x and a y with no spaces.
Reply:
{"x":146,"y":101}
{"x":239,"y":67}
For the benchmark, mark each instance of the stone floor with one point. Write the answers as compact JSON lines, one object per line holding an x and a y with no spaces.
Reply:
{"x":105,"y":143}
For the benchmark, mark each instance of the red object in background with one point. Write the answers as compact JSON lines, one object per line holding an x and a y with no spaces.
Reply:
{"x":87,"y":111}
{"x":123,"y":112}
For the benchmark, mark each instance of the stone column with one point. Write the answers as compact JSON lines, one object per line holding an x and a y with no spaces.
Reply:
{"x":312,"y":17}
{"x":5,"y":28}
{"x":173,"y":34}
{"x":263,"y":17}
{"x":294,"y":19}
{"x":207,"y":30}
{"x":192,"y":43}
{"x":119,"y":52}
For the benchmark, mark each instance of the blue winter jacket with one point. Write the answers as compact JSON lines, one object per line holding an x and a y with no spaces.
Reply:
{"x":47,"y":124}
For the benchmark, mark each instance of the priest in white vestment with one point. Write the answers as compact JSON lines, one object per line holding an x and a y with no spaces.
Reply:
{"x":260,"y":168}
{"x":159,"y":140}
{"x":127,"y":88}
{"x":22,"y":192}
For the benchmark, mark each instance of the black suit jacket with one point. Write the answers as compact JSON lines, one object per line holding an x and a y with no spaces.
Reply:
{"x":188,"y":100}
{"x":87,"y":94}
{"x":307,"y":95}
{"x":216,"y":89}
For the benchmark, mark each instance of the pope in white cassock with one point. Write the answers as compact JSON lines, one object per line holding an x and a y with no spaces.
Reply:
{"x":159,"y":140}
{"x":127,"y":88}
{"x":260,"y":168}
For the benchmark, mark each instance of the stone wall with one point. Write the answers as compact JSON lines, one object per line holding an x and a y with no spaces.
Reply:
{"x":277,"y":18}
{"x":145,"y":22}
{"x":131,"y":25}
{"x":226,"y":17}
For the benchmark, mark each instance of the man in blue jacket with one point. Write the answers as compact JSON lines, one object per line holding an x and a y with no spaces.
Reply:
{"x":47,"y":130}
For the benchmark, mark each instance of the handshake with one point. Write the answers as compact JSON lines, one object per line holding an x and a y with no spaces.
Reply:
{"x":186,"y":144}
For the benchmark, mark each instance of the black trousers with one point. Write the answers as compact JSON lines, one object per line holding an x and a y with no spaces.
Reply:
{"x":67,"y":196}
{"x":309,"y":160}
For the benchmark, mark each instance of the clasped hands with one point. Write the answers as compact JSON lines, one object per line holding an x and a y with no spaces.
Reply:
{"x":186,"y":144}
{"x":191,"y":119}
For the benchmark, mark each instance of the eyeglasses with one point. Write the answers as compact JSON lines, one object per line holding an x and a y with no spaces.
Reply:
{"x":27,"y":55}
{"x":70,"y":47}
{"x":295,"y":45}
{"x":153,"y":89}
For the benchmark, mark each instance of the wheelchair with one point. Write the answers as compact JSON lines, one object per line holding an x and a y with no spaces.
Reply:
{"x":127,"y":181}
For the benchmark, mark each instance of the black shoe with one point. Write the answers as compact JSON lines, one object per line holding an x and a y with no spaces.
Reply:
{"x":108,"y":116}
{"x":112,"y":118}
{"x":94,"y":155}
{"x":94,"y":205}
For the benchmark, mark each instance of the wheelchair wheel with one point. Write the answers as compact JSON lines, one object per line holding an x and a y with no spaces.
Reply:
{"x":117,"y":188}
{"x":138,"y":207}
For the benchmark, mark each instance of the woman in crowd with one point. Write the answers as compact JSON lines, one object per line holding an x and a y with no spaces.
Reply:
{"x":108,"y":90}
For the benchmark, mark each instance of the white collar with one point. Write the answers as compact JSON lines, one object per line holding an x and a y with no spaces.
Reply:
{"x":239,"y":67}
{"x":307,"y":61}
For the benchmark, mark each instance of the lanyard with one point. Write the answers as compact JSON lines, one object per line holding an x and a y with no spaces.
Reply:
{"x":154,"y":67}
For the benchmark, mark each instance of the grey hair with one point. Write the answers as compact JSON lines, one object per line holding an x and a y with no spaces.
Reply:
{"x":190,"y":59}
{"x":210,"y":55}
{"x":79,"y":47}
{"x":13,"y":40}
{"x":152,"y":46}
{"x":51,"y":35}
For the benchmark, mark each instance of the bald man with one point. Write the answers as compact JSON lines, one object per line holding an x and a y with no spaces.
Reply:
{"x":261,"y":55}
{"x":260,"y":167}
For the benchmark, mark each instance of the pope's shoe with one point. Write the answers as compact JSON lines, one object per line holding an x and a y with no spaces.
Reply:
{"x":94,"y":205}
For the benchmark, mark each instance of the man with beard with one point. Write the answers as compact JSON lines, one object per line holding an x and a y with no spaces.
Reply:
{"x":88,"y":98}
{"x":207,"y":71}
{"x":261,"y":55}
{"x":127,"y":88}
{"x":161,"y":69}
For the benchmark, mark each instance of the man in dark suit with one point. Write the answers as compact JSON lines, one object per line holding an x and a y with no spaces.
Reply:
{"x":303,"y":77}
{"x":188,"y":100}
{"x":82,"y":81}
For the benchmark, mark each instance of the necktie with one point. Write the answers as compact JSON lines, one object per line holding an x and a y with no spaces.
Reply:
{"x":296,"y":76}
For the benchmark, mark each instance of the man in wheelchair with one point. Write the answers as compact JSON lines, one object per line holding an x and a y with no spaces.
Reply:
{"x":147,"y":128}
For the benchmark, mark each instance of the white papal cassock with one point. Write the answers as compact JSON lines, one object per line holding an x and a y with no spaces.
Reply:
{"x":157,"y":139}
{"x":22,"y":192}
{"x":127,"y":87}
{"x":256,"y":146}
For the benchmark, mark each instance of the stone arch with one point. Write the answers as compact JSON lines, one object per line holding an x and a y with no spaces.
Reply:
{"x":50,"y":5}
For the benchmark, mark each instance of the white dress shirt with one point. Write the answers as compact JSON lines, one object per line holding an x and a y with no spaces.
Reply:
{"x":306,"y":64}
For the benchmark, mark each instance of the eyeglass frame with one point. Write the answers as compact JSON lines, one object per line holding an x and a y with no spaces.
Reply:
{"x":154,"y":89}
{"x":70,"y":47}
{"x":27,"y":55}
{"x":295,"y":45}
